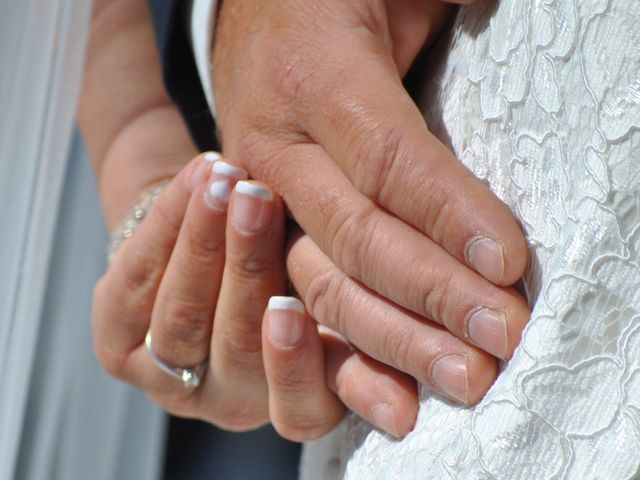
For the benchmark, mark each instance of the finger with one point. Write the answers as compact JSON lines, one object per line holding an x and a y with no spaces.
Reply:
{"x":359,"y":112}
{"x":413,"y":25}
{"x":234,"y":393}
{"x":399,"y":263}
{"x":124,"y":297}
{"x":253,"y":272}
{"x":185,"y":304}
{"x":386,"y":332}
{"x":301,"y":405}
{"x":381,"y":395}
{"x":379,"y":138}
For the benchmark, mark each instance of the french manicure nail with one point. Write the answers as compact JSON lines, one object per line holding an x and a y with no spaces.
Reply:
{"x":488,"y":330}
{"x":450,"y":375}
{"x":252,"y":207}
{"x":211,"y":157}
{"x":486,"y":256}
{"x":286,"y":321}
{"x":223,"y":177}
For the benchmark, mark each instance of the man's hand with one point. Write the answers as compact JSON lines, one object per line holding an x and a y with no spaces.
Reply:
{"x":206,"y":250}
{"x":310,"y":99}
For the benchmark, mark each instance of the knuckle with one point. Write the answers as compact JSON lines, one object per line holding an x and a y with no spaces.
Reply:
{"x":372,"y":15}
{"x":445,"y":192}
{"x":353,"y":238}
{"x":201,"y":247}
{"x":256,"y":150}
{"x":443,"y":209}
{"x":251,"y":263}
{"x":347,"y":384}
{"x":393,"y":160}
{"x":380,"y":159}
{"x":169,"y":223}
{"x":398,"y":345}
{"x":186,"y":323}
{"x":435,"y":296}
{"x":323,"y":298}
{"x":140,"y":275}
{"x":241,"y":344}
{"x":286,"y":68}
{"x":292,"y":380}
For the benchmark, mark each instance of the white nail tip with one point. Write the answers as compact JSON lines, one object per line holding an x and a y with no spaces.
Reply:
{"x":212,"y":156}
{"x":223,"y":168}
{"x":254,"y":190}
{"x":286,"y":303}
{"x":220,"y":189}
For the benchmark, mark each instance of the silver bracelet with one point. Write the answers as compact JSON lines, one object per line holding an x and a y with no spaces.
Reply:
{"x":128,"y":226}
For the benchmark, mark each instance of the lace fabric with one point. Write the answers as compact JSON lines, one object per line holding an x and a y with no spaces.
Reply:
{"x":540,"y":99}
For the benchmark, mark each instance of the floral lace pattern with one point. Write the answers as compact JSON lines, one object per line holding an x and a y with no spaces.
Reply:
{"x":540,"y":99}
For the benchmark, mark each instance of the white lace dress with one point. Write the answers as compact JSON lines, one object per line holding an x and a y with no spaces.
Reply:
{"x":540,"y":98}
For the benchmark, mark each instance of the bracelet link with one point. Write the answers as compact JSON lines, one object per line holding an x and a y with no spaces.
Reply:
{"x":132,"y":221}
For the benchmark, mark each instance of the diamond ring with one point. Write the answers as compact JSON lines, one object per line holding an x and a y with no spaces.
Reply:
{"x":190,"y":377}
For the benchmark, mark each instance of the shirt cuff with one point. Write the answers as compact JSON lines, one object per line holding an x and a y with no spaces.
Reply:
{"x":203,"y":20}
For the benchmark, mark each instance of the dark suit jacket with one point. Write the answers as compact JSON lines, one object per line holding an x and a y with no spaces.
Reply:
{"x":171,"y":21}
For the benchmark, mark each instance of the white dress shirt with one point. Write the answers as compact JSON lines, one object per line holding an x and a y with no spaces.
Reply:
{"x":203,"y":21}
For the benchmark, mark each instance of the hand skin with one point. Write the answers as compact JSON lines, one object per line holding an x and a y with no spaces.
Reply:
{"x":189,"y":262}
{"x":310,"y":100}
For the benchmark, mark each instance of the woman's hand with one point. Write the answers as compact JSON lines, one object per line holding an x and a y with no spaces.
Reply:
{"x":136,"y":138}
{"x":198,"y":274}
{"x":310,"y":99}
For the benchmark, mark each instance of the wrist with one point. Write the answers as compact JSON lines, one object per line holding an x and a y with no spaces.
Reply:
{"x":132,"y":221}
{"x":151,"y":149}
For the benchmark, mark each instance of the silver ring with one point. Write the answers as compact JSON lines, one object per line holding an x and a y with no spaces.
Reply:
{"x":190,"y":377}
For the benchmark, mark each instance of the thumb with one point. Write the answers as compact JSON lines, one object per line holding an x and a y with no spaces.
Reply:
{"x":414,"y":24}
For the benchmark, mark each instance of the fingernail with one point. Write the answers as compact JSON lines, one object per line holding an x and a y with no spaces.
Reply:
{"x":197,"y":174}
{"x":211,"y":157}
{"x":252,"y":207}
{"x":286,"y":321}
{"x":486,"y":256}
{"x":488,"y":330}
{"x":223,"y":178}
{"x":382,"y":416}
{"x":450,"y":375}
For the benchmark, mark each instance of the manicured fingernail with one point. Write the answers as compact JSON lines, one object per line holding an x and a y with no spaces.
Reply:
{"x":451,"y":376}
{"x":382,"y":416}
{"x":488,"y":330}
{"x":211,"y":157}
{"x":223,"y":178}
{"x":252,"y":207}
{"x":286,"y":321}
{"x":486,"y":256}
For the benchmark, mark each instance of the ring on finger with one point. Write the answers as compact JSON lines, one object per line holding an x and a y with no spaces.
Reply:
{"x":190,"y":377}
